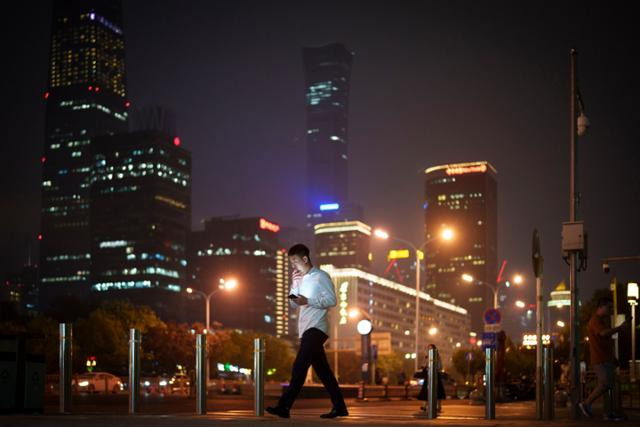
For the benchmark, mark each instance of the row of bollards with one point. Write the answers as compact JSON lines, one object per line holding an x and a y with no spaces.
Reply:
{"x":135,"y":341}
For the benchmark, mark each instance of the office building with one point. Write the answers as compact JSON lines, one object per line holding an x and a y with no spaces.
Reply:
{"x":462,"y":196}
{"x":140,"y":219}
{"x":247,"y":250}
{"x":343,"y":244}
{"x":327,"y":71}
{"x":391,"y":308}
{"x":85,"y":98}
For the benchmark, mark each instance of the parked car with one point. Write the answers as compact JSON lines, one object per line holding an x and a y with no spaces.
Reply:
{"x":179,"y":383}
{"x":97,"y":382}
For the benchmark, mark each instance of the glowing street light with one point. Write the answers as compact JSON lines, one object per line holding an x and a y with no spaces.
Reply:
{"x":381,"y":234}
{"x":560,"y":324}
{"x":224,"y":284}
{"x":517,"y":279}
{"x":446,"y":234}
{"x":433,"y":331}
{"x":520,"y":304}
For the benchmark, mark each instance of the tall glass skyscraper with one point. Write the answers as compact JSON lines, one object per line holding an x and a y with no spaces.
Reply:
{"x":86,"y":97}
{"x":462,"y":196}
{"x":327,"y":78}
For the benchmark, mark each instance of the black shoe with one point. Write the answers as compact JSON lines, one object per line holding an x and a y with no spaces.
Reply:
{"x":335,"y":413}
{"x":280,"y":411}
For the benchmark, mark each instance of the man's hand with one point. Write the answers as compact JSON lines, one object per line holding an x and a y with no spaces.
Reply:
{"x":296,"y":278}
{"x":301,"y":300}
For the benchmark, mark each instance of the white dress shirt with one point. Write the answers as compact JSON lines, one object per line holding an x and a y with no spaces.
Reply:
{"x":318,"y":288}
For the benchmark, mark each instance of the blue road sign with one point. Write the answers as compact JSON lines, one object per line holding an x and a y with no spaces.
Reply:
{"x":489,"y":340}
{"x":492,"y":316}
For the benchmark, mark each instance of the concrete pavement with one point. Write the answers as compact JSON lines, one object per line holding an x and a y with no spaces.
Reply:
{"x":455,"y":413}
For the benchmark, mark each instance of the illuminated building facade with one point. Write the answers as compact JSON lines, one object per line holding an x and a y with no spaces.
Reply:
{"x":86,"y":97}
{"x":19,"y":295}
{"x":464,"y":197}
{"x":401,"y":266}
{"x":140,"y":218}
{"x":327,"y":79}
{"x":248,"y":250}
{"x":283,"y":283}
{"x":343,"y":244}
{"x":391,"y":308}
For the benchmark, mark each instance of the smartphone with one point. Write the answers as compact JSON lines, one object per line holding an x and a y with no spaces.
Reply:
{"x":292,"y":296}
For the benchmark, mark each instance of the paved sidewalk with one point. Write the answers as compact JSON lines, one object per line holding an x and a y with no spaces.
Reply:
{"x":372,"y":413}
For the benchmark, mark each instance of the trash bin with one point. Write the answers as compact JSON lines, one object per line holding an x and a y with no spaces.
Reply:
{"x":8,"y":372}
{"x":34,"y":375}
{"x":22,"y":375}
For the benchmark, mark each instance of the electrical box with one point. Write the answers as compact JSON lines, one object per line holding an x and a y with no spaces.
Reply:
{"x":573,"y":236}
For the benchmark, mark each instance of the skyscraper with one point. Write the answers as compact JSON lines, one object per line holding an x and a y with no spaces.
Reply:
{"x":140,"y":219}
{"x":248,"y":250}
{"x":86,"y":97}
{"x":327,"y":79}
{"x":344,"y":244}
{"x":464,"y":197}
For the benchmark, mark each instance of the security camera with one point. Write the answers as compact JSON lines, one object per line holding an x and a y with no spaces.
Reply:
{"x":605,"y":267}
{"x":583,"y":124}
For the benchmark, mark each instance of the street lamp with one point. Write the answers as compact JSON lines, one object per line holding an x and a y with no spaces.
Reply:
{"x":365,"y":328}
{"x":517,"y":279}
{"x":446,"y":234}
{"x":632,"y":298}
{"x":225,"y":284}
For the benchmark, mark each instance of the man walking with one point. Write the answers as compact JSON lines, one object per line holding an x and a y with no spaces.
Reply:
{"x":602,"y":360}
{"x":312,"y":290}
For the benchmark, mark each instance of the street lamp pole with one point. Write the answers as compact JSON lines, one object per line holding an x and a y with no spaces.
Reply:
{"x":447,"y":234}
{"x":574,"y":327}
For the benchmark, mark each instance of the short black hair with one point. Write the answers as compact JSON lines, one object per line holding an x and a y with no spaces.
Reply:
{"x":604,"y":301}
{"x":300,"y":250}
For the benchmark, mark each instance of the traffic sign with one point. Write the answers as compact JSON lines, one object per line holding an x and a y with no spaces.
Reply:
{"x":492,"y":316}
{"x":497,"y":327}
{"x":489,"y":340}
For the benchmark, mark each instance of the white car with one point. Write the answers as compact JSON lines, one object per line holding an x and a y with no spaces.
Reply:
{"x":97,"y":382}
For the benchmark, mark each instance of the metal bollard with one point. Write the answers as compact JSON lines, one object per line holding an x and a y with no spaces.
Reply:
{"x":549,"y":386}
{"x":66,"y":345}
{"x":258,"y":376}
{"x":201,"y":374}
{"x":490,"y":397}
{"x":432,"y":385}
{"x":134,"y":370}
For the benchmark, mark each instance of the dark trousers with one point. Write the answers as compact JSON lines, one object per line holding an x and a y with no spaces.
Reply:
{"x":312,"y":353}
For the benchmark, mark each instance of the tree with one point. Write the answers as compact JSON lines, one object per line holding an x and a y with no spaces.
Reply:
{"x":466,"y":367}
{"x":390,"y":365}
{"x":105,"y":335}
{"x":167,"y":345}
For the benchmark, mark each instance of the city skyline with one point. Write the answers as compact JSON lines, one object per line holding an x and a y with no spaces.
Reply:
{"x":456,"y":96}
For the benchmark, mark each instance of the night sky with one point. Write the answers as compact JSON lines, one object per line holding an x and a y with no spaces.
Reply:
{"x":432,"y":82}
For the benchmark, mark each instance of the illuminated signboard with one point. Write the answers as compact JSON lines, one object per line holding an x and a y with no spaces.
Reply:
{"x":530,"y":340}
{"x":270,"y":226}
{"x":398,"y":254}
{"x":330,"y":206}
{"x":402,"y":254}
{"x":460,"y":170}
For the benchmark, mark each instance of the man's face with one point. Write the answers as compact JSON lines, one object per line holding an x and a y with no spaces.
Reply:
{"x":299,"y":263}
{"x":605,"y":310}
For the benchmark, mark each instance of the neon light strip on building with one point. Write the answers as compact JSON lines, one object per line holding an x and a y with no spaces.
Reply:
{"x":462,"y":168}
{"x":337,"y":227}
{"x":354,"y":272}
